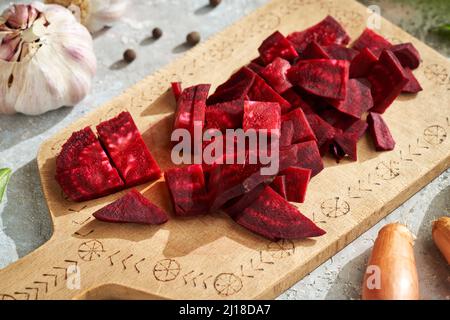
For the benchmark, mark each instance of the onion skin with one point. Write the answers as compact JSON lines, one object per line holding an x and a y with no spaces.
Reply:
{"x":441,"y":236}
{"x":392,"y":262}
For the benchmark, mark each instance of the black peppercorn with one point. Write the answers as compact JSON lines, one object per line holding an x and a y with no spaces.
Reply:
{"x":214,"y":3}
{"x":157,"y":33}
{"x":129,"y":55}
{"x":193,"y":38}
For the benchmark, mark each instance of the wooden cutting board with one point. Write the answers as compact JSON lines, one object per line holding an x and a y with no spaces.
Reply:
{"x":211,"y":257}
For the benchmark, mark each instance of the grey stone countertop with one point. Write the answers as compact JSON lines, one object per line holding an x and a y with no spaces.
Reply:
{"x":24,"y":218}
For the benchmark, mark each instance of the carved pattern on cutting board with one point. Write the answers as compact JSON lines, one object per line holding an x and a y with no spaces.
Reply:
{"x":91,"y":250}
{"x":46,"y":283}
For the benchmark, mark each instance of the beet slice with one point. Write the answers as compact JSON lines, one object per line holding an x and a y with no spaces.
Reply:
{"x":225,"y":115}
{"x":303,"y":155}
{"x":199,"y":105}
{"x":127,"y":150}
{"x":187,"y":190}
{"x":132,"y":208}
{"x":90,"y":181}
{"x":177,"y":90}
{"x":336,"y":118}
{"x":235,"y":206}
{"x":357,"y":100}
{"x":362,"y":63}
{"x":326,"y":32}
{"x":235,"y":88}
{"x":296,"y":183}
{"x":372,"y":40}
{"x":357,"y":129}
{"x":287,"y":133}
{"x":279,"y":185}
{"x":296,"y":100}
{"x":380,"y":133}
{"x":81,"y":149}
{"x":302,"y":131}
{"x":262,"y":116}
{"x":413,"y":85}
{"x":323,"y":131}
{"x":324,"y":78}
{"x":387,"y":79}
{"x":256,"y":68}
{"x":276,"y":45}
{"x":274,"y":218}
{"x":183,"y":114}
{"x":314,"y":51}
{"x":347,"y":145}
{"x":340,"y":52}
{"x":261,"y":91}
{"x":407,"y":54}
{"x":275,"y":75}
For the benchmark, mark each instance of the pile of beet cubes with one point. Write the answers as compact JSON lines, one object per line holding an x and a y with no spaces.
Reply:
{"x":309,"y":90}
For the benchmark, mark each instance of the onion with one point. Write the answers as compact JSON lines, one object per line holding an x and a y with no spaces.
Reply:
{"x":391,"y":273}
{"x":441,"y":236}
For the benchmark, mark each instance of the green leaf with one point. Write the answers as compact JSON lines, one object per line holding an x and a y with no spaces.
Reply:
{"x":5,"y":174}
{"x":442,"y":29}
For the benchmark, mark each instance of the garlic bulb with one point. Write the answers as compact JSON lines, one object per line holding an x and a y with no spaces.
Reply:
{"x":95,"y":14}
{"x":46,"y":59}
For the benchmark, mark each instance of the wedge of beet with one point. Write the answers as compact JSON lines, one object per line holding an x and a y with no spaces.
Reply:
{"x":90,"y":181}
{"x":357,"y":100}
{"x":256,"y":68}
{"x":371,"y":40}
{"x":199,"y":105}
{"x":262,"y":116}
{"x":275,"y":75}
{"x":413,"y":85}
{"x":177,"y":90}
{"x":303,"y":155}
{"x":302,"y":131}
{"x":314,"y":51}
{"x":235,"y":206}
{"x":324,"y":78}
{"x":225,"y":115}
{"x":127,"y":150}
{"x":339,"y":120}
{"x":279,"y":185}
{"x":323,"y":131}
{"x":362,"y":63}
{"x":276,"y":45}
{"x":407,"y":54}
{"x":326,"y":32}
{"x":261,"y":91}
{"x":81,"y":149}
{"x":132,"y":208}
{"x":296,"y":183}
{"x":235,"y":88}
{"x":187,"y":190}
{"x":387,"y":79}
{"x":357,"y":129}
{"x":274,"y":218}
{"x":380,"y":132}
{"x":340,"y":52}
{"x":183,"y":113}
{"x":345,"y":144}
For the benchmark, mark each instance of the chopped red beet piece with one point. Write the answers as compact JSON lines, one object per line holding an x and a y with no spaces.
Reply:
{"x":302,"y":131}
{"x":235,"y":206}
{"x":276,"y":45}
{"x":362,"y":63}
{"x":380,"y":133}
{"x":256,"y":68}
{"x":413,"y":86}
{"x":287,"y":133}
{"x":314,"y":51}
{"x":176,"y":89}
{"x":90,"y":181}
{"x":347,"y":145}
{"x":339,"y":120}
{"x":303,"y":155}
{"x":296,"y":183}
{"x":199,"y":105}
{"x":81,"y":149}
{"x":387,"y":79}
{"x":371,"y":40}
{"x":340,"y":52}
{"x":183,"y":114}
{"x":357,"y":100}
{"x":132,"y":208}
{"x":262,"y":116}
{"x":407,"y":54}
{"x":235,"y":88}
{"x":323,"y":131}
{"x":326,"y":32}
{"x":261,"y":91}
{"x":274,"y":218}
{"x":127,"y":150}
{"x":187,"y":190}
{"x":275,"y":75}
{"x":324,"y":78}
{"x":357,"y":129}
{"x":279,"y":185}
{"x":225,"y":115}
